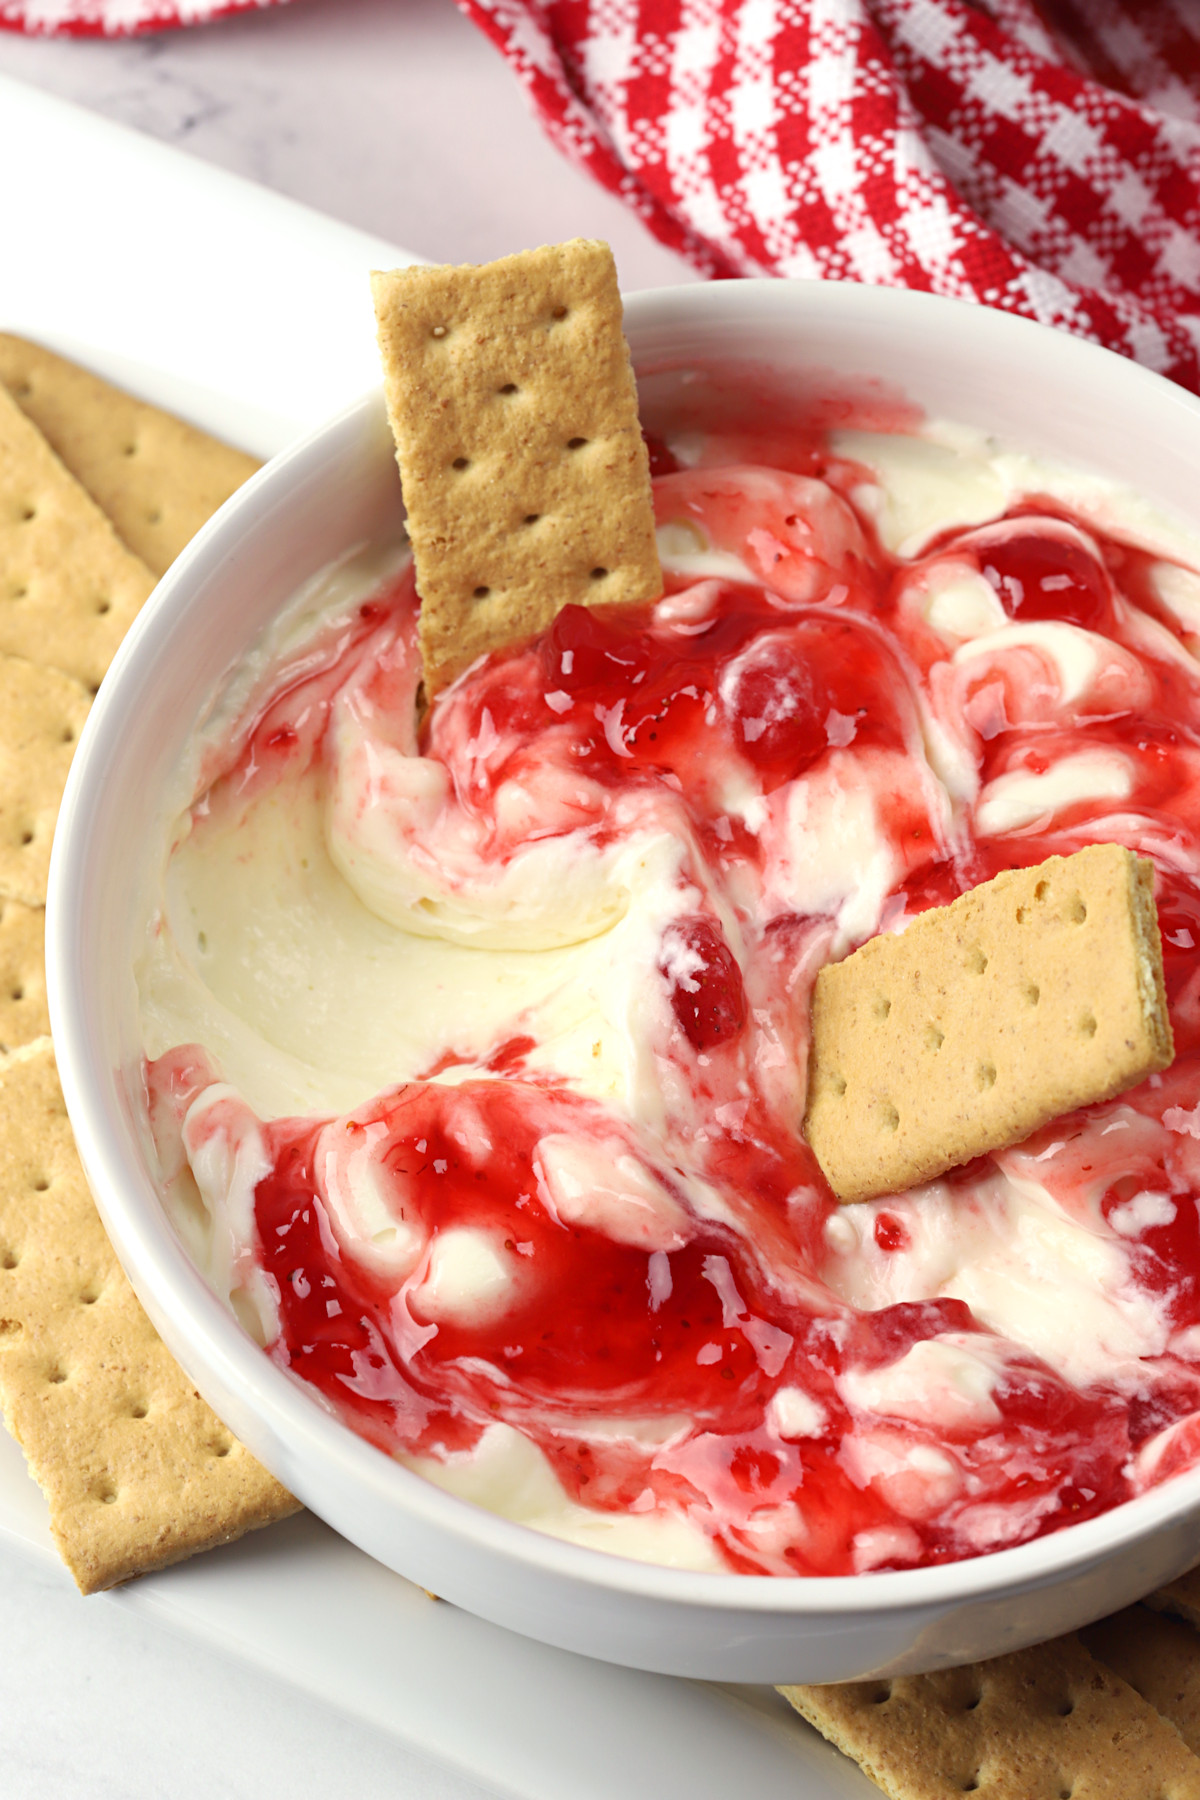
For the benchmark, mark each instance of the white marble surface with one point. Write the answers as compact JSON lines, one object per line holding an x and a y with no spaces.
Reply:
{"x":397,"y":117}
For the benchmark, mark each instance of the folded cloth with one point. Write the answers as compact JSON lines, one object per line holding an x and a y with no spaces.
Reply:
{"x":1041,"y":157}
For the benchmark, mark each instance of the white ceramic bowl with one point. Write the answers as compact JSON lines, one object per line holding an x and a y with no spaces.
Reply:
{"x":1044,"y":391}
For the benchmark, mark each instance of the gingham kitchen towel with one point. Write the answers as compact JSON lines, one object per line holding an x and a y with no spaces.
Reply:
{"x":1042,"y":156}
{"x":933,"y":144}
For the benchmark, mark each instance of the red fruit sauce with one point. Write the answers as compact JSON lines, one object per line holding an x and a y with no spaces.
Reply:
{"x":750,"y":684}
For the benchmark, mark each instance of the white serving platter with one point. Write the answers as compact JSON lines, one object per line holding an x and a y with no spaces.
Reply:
{"x":250,"y":315}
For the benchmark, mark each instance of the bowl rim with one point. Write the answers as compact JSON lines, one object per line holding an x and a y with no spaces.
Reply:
{"x":172,"y":1286}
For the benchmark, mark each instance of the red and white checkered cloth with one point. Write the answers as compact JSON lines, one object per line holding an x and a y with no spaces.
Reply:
{"x":933,"y":144}
{"x":1042,"y":156}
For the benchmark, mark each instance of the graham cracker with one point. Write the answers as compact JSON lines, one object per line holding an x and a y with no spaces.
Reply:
{"x":1180,"y":1597}
{"x":1042,"y":1724}
{"x":156,"y":478}
{"x":1157,"y":1655}
{"x":138,"y":1470}
{"x":41,"y":715}
{"x":525,"y":477}
{"x":1035,"y":993}
{"x":23,"y":1014}
{"x":69,"y":589}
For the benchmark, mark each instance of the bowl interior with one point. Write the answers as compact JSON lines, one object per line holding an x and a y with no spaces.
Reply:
{"x":1046,"y":393}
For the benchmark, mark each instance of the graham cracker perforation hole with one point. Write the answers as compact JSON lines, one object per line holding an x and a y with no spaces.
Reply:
{"x":985,"y":1077}
{"x":558,"y":312}
{"x":1066,"y":1707}
{"x":480,"y":593}
{"x":138,"y":1410}
{"x":1087,"y":1026}
{"x":971,"y":1784}
{"x":461,"y":462}
{"x":977,"y":962}
{"x":531,"y":518}
{"x":89,"y":1296}
{"x":599,"y":574}
{"x":934,"y":1039}
{"x":26,"y":838}
{"x":837,"y":1085}
{"x":510,"y":387}
{"x":220,"y":1447}
{"x":68,"y":736}
{"x":9,"y":1259}
{"x":27,"y":513}
{"x":23,"y":391}
{"x":438,"y":331}
{"x":17,"y":993}
{"x":106,"y":1495}
{"x":1041,"y":890}
{"x":1076,"y":910}
{"x":154,"y":517}
{"x":129,"y":450}
{"x":576,"y":443}
{"x":882,"y":1694}
{"x":56,"y":1377}
{"x":889,"y":1118}
{"x":1033,"y":993}
{"x":882,"y":1006}
{"x":17,"y":593}
{"x":973,"y":1700}
{"x":41,"y":1185}
{"x":10,"y":1331}
{"x":103,"y":606}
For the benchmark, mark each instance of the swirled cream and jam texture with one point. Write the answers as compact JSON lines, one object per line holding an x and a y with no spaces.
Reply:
{"x":477,"y":1052}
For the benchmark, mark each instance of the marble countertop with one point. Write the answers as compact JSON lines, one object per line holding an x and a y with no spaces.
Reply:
{"x":398,"y":117}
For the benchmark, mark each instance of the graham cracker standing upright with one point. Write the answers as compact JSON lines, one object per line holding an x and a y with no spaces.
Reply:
{"x":525,"y":476}
{"x":155,"y":477}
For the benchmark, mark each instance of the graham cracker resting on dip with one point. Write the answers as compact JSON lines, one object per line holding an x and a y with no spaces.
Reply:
{"x":155,"y":477}
{"x":138,"y":1471}
{"x":525,"y":476}
{"x":69,"y":588}
{"x":1035,"y":993}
